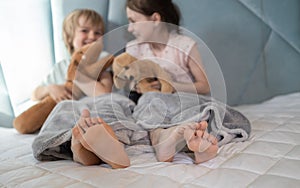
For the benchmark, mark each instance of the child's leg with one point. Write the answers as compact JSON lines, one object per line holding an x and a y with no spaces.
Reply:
{"x":164,"y":142}
{"x":197,"y":139}
{"x":203,"y":145}
{"x":80,"y":153}
{"x":99,"y":138}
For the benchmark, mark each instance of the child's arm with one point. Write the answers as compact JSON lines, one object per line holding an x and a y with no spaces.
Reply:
{"x":195,"y":65}
{"x":57,"y":92}
{"x":93,"y":87}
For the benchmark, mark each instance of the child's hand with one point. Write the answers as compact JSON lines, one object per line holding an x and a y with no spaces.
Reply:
{"x":59,"y":92}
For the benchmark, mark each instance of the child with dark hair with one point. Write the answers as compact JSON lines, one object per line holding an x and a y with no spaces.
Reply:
{"x":155,"y":24}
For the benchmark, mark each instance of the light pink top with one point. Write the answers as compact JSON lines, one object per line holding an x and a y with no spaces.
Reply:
{"x":173,"y":59}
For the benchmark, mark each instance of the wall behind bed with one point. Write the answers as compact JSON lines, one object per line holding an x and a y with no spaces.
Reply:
{"x":256,"y":42}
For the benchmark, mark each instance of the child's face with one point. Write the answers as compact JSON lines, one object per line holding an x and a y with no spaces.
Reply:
{"x":140,"y":26}
{"x":85,"y":33}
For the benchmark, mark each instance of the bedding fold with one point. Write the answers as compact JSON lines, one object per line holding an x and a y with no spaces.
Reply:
{"x":113,"y":108}
{"x":166,"y":110}
{"x":131,"y":122}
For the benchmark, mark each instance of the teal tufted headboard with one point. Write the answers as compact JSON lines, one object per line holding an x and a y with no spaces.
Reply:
{"x":256,"y":42}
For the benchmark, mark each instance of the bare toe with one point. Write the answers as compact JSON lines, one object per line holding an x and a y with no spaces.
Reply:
{"x":203,"y":144}
{"x":85,"y":113}
{"x":203,"y":125}
{"x":75,"y":133}
{"x":76,"y":138}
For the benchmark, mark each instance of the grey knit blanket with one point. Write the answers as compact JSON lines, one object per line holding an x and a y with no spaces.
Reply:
{"x":131,"y":122}
{"x":166,"y":110}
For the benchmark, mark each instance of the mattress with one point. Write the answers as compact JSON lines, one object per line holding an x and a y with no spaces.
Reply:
{"x":270,"y":158}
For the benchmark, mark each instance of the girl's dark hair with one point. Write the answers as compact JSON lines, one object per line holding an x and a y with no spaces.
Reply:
{"x":168,"y":11}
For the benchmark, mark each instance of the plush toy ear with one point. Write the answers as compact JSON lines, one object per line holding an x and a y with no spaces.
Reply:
{"x":119,"y":83}
{"x":92,"y":52}
{"x":119,"y":63}
{"x":75,"y":60}
{"x":124,"y":59}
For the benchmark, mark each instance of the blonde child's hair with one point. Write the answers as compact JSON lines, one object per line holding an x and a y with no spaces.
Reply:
{"x":71,"y":22}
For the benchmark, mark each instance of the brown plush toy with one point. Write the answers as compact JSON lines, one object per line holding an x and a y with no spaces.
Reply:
{"x":84,"y":60}
{"x":129,"y":70}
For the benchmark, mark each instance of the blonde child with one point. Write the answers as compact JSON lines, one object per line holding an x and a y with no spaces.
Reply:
{"x":154,"y":23}
{"x":83,"y":27}
{"x":80,"y":27}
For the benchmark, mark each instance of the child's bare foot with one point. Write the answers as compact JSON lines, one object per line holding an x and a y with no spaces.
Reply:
{"x":99,"y":138}
{"x":203,"y":144}
{"x":164,"y":142}
{"x":80,"y":153}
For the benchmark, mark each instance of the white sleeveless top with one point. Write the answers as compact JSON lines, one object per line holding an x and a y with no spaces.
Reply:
{"x":173,"y":59}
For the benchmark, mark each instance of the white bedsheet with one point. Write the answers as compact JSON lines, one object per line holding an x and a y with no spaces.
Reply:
{"x":271,"y":158}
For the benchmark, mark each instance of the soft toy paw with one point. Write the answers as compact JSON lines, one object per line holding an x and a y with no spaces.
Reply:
{"x":129,"y":70}
{"x":84,"y":60}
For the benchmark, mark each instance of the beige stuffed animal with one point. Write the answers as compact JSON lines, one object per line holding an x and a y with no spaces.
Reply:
{"x":129,"y":70}
{"x":84,"y":60}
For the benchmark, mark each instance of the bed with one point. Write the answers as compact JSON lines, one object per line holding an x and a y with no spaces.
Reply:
{"x":270,"y":158}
